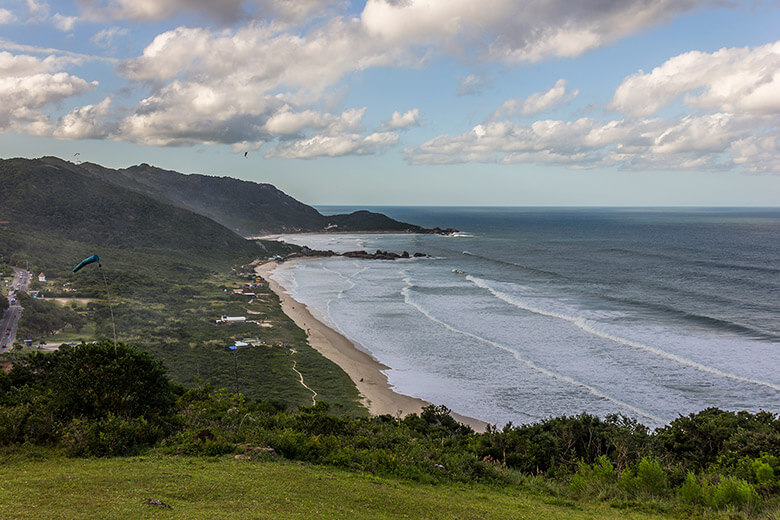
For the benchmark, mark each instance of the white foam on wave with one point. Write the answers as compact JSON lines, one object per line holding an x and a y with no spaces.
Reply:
{"x":588,"y":326}
{"x":549,"y":373}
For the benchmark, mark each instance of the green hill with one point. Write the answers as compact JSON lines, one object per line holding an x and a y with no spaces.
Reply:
{"x":248,"y":208}
{"x":57,"y":198}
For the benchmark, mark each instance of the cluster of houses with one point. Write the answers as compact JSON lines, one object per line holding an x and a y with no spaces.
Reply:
{"x":248,"y":289}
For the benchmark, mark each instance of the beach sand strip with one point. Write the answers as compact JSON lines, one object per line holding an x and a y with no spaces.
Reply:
{"x":365,"y":371}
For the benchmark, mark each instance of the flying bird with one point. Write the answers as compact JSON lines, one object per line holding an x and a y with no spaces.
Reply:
{"x":245,"y":153}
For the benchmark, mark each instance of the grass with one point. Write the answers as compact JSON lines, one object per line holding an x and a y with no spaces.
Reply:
{"x":224,"y":487}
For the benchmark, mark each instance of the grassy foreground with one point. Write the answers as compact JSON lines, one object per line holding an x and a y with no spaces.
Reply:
{"x":224,"y":487}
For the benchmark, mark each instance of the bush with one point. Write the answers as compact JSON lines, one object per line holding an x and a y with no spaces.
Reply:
{"x":691,"y":491}
{"x":595,"y":480}
{"x":651,"y":477}
{"x":735,"y":493}
{"x":97,"y":380}
{"x":109,"y":436}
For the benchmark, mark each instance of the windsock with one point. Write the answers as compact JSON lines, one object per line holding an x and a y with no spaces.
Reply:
{"x":93,"y":258}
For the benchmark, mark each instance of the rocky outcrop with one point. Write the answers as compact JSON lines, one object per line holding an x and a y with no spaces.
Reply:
{"x":381,"y":255}
{"x":440,"y":231}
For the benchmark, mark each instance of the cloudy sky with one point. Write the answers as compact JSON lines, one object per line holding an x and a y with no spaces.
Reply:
{"x":383,"y":102}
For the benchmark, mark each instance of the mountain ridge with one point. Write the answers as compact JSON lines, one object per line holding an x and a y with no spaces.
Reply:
{"x":246,"y":207}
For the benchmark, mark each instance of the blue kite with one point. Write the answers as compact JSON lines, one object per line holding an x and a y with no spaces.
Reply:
{"x":91,"y":259}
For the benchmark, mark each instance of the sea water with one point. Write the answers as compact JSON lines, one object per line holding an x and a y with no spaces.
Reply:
{"x":531,"y":313}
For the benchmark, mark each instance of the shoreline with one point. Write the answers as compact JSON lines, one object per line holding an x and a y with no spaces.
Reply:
{"x":366,"y":372}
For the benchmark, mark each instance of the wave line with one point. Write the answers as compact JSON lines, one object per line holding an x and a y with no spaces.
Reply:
{"x":529,"y":364}
{"x":585,"y":325}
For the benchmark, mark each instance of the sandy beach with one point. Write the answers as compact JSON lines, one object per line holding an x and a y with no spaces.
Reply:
{"x":365,"y":371}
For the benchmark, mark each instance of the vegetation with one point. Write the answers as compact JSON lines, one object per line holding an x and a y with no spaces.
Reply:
{"x":101,"y":400}
{"x":248,"y":208}
{"x":42,"y":318}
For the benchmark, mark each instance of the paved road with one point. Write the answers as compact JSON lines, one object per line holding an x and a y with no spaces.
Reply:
{"x":10,"y":320}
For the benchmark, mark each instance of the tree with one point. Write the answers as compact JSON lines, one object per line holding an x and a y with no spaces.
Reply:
{"x":93,"y":381}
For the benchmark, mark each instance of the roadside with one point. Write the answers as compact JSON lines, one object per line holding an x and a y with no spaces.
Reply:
{"x":9,"y":325}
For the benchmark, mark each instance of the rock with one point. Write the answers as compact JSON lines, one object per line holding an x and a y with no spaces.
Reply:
{"x":439,"y":231}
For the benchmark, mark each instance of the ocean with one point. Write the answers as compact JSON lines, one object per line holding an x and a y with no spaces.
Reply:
{"x":529,"y":313}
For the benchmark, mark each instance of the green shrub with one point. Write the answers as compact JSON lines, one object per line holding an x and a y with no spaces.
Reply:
{"x":736,"y":494}
{"x":691,"y":491}
{"x":651,"y":477}
{"x":109,"y":436}
{"x":12,"y":421}
{"x":595,"y":480}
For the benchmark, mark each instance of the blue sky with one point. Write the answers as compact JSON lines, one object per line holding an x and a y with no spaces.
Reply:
{"x":400,"y":102}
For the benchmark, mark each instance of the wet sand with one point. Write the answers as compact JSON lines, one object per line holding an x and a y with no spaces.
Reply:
{"x":365,"y":371}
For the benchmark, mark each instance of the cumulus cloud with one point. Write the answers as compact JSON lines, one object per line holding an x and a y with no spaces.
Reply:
{"x":334,"y":146}
{"x":247,"y":85}
{"x":87,"y":122}
{"x":535,"y":103}
{"x":28,"y":84}
{"x":712,"y":141}
{"x":734,"y":94}
{"x":64,"y":23}
{"x":398,"y":121}
{"x":758,"y":153}
{"x":515,"y":32}
{"x":37,"y":11}
{"x":21,"y":97}
{"x":730,"y":80}
{"x":6,"y":16}
{"x":17,"y":65}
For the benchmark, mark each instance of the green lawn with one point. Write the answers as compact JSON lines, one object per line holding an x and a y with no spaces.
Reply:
{"x":238,"y":489}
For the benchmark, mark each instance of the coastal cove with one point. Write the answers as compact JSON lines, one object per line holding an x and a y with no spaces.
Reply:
{"x":533,"y":313}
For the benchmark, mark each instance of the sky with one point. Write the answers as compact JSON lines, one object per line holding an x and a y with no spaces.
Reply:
{"x":409,"y":102}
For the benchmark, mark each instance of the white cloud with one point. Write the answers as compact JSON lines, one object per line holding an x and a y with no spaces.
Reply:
{"x":514,"y":32}
{"x":105,"y":37}
{"x":758,"y":153}
{"x":64,"y":23}
{"x":334,"y":146}
{"x":37,"y":11}
{"x":261,"y":55}
{"x":405,"y":120}
{"x":21,"y":97}
{"x":287,"y":122}
{"x":712,"y":141}
{"x":87,"y":122}
{"x":16,"y":65}
{"x":250,"y":84}
{"x":735,"y":94}
{"x":730,"y":80}
{"x":535,"y":103}
{"x":474,"y":84}
{"x":6,"y":16}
